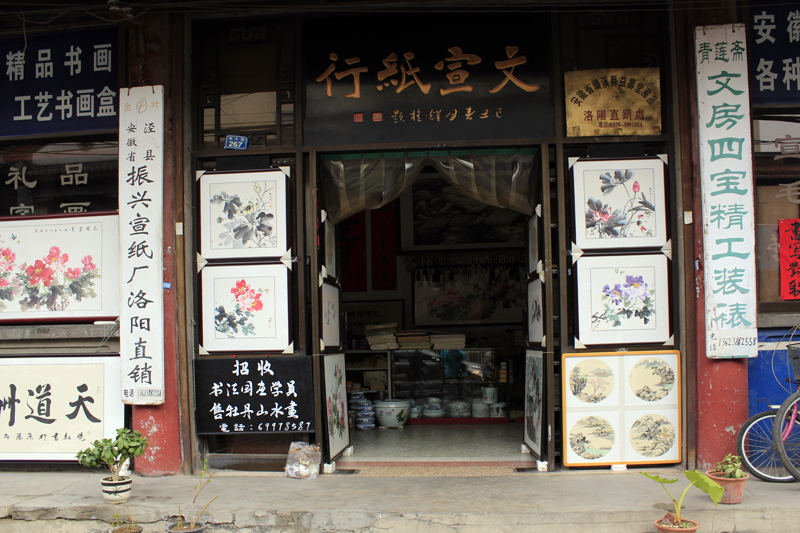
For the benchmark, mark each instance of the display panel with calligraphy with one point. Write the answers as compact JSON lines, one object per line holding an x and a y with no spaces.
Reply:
{"x":727,"y":191}
{"x":428,"y":77}
{"x":774,"y":52}
{"x":141,"y":200}
{"x":254,"y":395}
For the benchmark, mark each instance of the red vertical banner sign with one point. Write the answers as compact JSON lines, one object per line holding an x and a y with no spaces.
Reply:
{"x":354,"y":253}
{"x":384,"y":247}
{"x":789,"y":242}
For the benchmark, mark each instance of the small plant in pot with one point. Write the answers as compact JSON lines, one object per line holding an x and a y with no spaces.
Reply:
{"x":113,"y":454}
{"x":730,"y":475}
{"x":121,"y":527}
{"x":192,"y":525}
{"x":673,"y":521}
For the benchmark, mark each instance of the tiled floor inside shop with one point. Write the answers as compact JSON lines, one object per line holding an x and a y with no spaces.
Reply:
{"x":432,"y":449}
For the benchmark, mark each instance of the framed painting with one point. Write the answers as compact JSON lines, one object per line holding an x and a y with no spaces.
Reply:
{"x":535,"y":314}
{"x":621,"y":408}
{"x":329,"y":242}
{"x":245,"y":307}
{"x":470,"y":295}
{"x":243,"y":214}
{"x":330,"y":307}
{"x":533,"y":245}
{"x":67,"y":403}
{"x":434,"y":216}
{"x":619,"y":204}
{"x":60,"y":268}
{"x":534,"y":397}
{"x":336,"y":404}
{"x":623,"y":299}
{"x":361,"y":314}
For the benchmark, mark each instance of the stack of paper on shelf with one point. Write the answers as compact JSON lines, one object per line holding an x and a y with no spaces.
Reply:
{"x":413,"y":339}
{"x":449,"y":342}
{"x":381,"y":336}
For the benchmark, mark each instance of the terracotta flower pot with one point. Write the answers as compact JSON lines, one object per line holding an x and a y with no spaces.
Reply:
{"x":116,"y":491}
{"x":734,"y":487}
{"x":665,"y":528}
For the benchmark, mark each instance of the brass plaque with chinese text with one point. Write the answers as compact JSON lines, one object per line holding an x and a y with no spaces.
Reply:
{"x":614,"y":102}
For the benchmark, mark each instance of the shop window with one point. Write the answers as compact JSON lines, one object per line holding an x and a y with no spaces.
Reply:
{"x":246,"y":82}
{"x":58,"y":178}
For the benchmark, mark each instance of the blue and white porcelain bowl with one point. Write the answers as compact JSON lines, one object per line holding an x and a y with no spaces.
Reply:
{"x":365,"y":419}
{"x":365,"y":426}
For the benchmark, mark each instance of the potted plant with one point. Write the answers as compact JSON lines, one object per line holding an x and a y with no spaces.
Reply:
{"x":112,"y":454}
{"x":121,"y":527}
{"x":673,"y":522}
{"x":730,"y":475}
{"x":192,"y":525}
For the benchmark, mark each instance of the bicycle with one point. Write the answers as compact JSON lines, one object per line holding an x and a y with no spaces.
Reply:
{"x":755,"y":441}
{"x":784,"y":436}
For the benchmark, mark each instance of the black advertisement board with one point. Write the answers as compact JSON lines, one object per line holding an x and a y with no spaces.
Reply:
{"x":254,"y":395}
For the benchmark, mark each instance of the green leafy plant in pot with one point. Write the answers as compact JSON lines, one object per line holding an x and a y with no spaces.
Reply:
{"x":674,"y":522}
{"x":192,"y":525}
{"x":730,"y":475}
{"x":113,"y":454}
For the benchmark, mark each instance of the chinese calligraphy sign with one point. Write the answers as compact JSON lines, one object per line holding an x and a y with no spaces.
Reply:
{"x":613,"y":102}
{"x":727,"y":191}
{"x":254,"y":395}
{"x":63,"y":268}
{"x":141,"y":170}
{"x":774,"y":53}
{"x":51,"y":407}
{"x":448,"y":79}
{"x":789,"y":239}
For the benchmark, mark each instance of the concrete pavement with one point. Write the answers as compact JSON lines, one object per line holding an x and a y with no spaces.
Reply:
{"x":596,"y":501}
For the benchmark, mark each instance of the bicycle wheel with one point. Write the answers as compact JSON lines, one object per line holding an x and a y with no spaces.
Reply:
{"x":754,"y":446}
{"x":788,"y":450}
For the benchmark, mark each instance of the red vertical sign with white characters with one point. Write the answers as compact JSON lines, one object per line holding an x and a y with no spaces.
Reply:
{"x":789,"y":241}
{"x":141,"y":229}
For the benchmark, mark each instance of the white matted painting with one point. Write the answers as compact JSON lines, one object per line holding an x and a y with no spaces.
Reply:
{"x":619,"y":203}
{"x":63,"y":268}
{"x":330,"y":305}
{"x":534,"y":395}
{"x":58,"y":405}
{"x":638,"y":421}
{"x":243,"y":215}
{"x":336,"y":404}
{"x":245,"y":307}
{"x":535,"y":314}
{"x":623,"y":299}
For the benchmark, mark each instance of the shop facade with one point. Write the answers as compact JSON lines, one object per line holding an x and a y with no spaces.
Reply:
{"x":533,"y":194}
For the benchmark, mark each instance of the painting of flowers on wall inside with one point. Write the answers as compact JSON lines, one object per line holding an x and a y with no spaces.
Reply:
{"x":469,"y":295}
{"x":619,"y":203}
{"x":335,"y":404}
{"x":623,"y":299}
{"x":61,"y":268}
{"x":243,"y":215}
{"x":245,"y":307}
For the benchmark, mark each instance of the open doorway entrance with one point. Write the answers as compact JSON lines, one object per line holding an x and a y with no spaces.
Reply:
{"x":436,"y":308}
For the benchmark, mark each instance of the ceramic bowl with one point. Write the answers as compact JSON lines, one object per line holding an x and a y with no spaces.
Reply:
{"x":365,"y":426}
{"x":365,"y":420}
{"x":392,"y":413}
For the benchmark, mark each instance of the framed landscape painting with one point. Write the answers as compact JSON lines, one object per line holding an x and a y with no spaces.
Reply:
{"x":245,"y":307}
{"x":243,"y":215}
{"x":534,"y":398}
{"x":619,"y":204}
{"x":623,"y":299}
{"x":59,"y":268}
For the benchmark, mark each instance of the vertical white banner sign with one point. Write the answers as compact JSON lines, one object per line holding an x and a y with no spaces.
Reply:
{"x":723,"y":104}
{"x":141,"y":229}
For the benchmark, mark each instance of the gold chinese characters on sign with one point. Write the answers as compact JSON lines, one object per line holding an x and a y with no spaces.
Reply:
{"x":613,"y":102}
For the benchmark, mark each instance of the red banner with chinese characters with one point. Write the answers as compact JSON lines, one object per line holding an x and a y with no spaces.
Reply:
{"x":789,"y":241}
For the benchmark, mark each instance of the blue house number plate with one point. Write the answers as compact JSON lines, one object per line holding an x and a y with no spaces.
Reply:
{"x":235,"y":142}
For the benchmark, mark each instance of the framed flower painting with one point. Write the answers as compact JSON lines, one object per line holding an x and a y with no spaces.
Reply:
{"x":619,"y":203}
{"x":61,"y":268}
{"x":623,"y":299}
{"x":330,"y":308}
{"x":245,"y":307}
{"x":243,"y":215}
{"x":336,"y":404}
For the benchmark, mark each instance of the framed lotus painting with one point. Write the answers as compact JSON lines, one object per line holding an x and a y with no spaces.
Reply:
{"x":61,"y":268}
{"x":330,"y":307}
{"x":245,"y":307}
{"x":623,"y":299}
{"x":621,"y":407}
{"x":243,"y":215}
{"x":336,"y":404}
{"x":619,"y":203}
